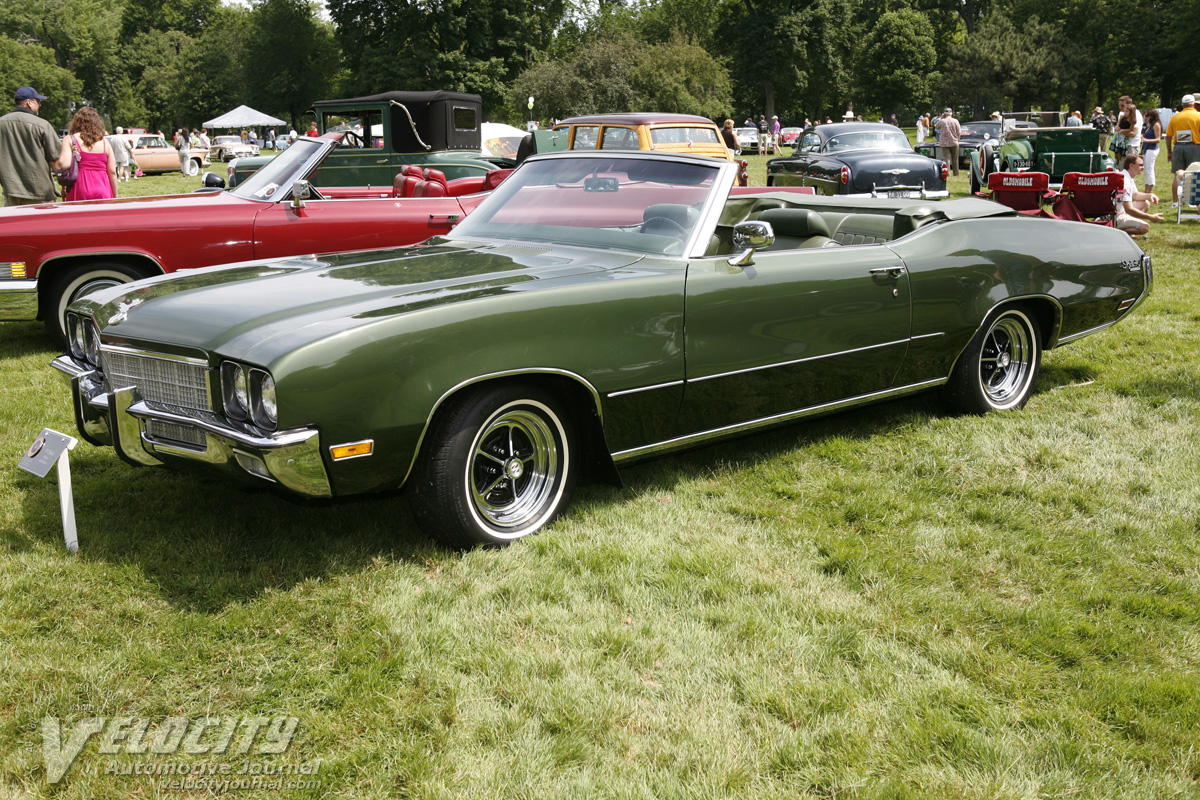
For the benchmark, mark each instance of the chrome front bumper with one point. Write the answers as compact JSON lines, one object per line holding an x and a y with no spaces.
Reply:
{"x":18,"y":300}
{"x":119,"y":418}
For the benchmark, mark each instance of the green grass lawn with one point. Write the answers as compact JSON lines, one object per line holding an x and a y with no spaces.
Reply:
{"x":889,"y":603}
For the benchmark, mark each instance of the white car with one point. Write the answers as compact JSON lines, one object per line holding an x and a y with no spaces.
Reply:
{"x":227,"y":148}
{"x":747,"y":139}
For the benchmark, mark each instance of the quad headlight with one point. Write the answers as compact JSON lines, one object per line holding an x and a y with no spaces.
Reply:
{"x":249,"y":395}
{"x":83,"y":339}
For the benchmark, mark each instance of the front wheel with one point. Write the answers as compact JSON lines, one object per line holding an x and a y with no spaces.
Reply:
{"x":64,"y":289}
{"x":998,"y":369}
{"x":497,"y":466}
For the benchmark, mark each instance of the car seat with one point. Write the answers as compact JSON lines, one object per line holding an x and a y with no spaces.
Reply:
{"x":797,"y":228}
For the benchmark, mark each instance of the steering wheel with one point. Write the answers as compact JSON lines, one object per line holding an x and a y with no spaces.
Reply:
{"x":352,"y":139}
{"x":664,"y":226}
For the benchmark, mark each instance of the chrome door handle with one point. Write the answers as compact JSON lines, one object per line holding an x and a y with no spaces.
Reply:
{"x":382,"y":161}
{"x":891,"y":272}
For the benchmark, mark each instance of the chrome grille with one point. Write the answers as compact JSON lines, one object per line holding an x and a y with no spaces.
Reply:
{"x":169,"y":431}
{"x":159,"y":380}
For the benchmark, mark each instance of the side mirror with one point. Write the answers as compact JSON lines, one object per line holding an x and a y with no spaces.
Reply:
{"x":211,"y":181}
{"x":300,"y":190}
{"x":748,"y":237}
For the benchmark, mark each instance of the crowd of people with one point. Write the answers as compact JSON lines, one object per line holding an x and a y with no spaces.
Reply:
{"x":89,"y":163}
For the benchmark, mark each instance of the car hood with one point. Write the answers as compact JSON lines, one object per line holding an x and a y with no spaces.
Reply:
{"x":261,"y":310}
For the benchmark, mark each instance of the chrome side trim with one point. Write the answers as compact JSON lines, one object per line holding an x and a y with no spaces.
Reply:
{"x":796,"y":361}
{"x":927,"y":336}
{"x":1089,"y":331}
{"x":93,"y":253}
{"x":491,"y":376}
{"x":18,"y":300}
{"x":775,"y":419}
{"x":624,"y":392}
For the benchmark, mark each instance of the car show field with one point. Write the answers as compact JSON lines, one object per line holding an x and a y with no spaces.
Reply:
{"x":893,"y":601}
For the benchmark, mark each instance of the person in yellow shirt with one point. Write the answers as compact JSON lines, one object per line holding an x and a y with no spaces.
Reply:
{"x":1183,"y":142}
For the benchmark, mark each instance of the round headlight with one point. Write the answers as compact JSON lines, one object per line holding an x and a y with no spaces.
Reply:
{"x":241,"y":388}
{"x":266,"y":394}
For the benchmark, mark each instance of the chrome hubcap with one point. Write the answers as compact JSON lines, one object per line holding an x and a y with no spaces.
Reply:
{"x":514,"y":469}
{"x":1006,"y":361}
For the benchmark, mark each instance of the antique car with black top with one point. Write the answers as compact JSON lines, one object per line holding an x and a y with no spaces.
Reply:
{"x":973,"y":136}
{"x":382,"y":133}
{"x":53,"y":253}
{"x":859,"y":158}
{"x":596,"y":309}
{"x":1039,"y":142}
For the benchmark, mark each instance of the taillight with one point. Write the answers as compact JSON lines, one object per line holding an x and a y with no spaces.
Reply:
{"x":945,"y":170}
{"x":845,"y":175}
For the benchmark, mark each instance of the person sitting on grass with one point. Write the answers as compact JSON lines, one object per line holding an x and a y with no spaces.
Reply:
{"x":1132,"y":215}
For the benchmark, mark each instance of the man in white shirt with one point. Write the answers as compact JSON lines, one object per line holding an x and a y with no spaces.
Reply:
{"x":1132,"y":216}
{"x":121,"y":153}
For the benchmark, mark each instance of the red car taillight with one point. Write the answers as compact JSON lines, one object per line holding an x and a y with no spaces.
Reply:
{"x":945,"y":170}
{"x":845,"y":175}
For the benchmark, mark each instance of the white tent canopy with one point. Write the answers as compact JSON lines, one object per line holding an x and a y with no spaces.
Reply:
{"x":241,"y":117}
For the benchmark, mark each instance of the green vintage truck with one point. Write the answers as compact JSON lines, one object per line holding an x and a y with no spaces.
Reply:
{"x":1048,"y":146}
{"x":380,"y":134}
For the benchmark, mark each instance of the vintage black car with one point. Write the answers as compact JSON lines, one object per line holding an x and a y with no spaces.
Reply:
{"x":973,"y":136}
{"x":859,"y":158}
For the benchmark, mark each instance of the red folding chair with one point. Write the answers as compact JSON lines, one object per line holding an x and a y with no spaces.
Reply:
{"x":1024,"y":192}
{"x":1094,"y":194}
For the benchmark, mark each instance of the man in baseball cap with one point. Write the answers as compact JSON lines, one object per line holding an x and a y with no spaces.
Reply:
{"x":29,"y":146}
{"x":1183,"y":142}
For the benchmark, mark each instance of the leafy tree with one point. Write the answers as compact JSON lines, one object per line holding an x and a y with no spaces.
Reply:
{"x":598,"y":79}
{"x":80,"y":34}
{"x":33,"y":65}
{"x":156,"y":56}
{"x":1036,"y":63}
{"x":791,"y":54}
{"x":896,"y":68}
{"x":188,"y":17}
{"x":464,"y":45}
{"x":678,"y":77}
{"x":295,"y":58}
{"x":213,"y":66}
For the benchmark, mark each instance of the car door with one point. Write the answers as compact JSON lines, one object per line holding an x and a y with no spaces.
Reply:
{"x":797,"y":329}
{"x":322,"y":226}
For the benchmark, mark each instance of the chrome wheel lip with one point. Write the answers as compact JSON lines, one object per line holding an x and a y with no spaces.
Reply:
{"x":1006,"y":361}
{"x":515,"y":474}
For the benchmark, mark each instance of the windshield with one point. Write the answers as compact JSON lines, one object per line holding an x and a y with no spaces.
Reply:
{"x":683,"y":135}
{"x":981,"y":128}
{"x":868,"y":140}
{"x":644,"y":205}
{"x":275,"y":178}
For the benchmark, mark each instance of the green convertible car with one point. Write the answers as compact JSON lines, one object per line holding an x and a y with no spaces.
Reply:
{"x":598,"y":308}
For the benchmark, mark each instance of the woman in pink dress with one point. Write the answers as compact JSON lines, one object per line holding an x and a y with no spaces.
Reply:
{"x":97,"y":164}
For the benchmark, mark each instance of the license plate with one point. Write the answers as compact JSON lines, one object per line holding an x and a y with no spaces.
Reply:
{"x":1021,"y":163}
{"x":900,"y":194}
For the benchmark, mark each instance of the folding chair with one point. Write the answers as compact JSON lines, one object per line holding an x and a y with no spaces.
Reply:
{"x":1094,"y":194}
{"x":1023,"y":192}
{"x":1189,"y":195}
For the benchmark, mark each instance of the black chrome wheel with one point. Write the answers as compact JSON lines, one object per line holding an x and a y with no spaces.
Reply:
{"x":998,"y":369}
{"x":498,"y":465}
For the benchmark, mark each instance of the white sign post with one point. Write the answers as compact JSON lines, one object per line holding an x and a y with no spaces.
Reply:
{"x":49,"y":449}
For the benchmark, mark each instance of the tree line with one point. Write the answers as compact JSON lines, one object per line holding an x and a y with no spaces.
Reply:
{"x":163,"y":65}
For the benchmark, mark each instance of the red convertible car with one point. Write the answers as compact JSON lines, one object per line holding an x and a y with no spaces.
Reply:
{"x":53,"y":253}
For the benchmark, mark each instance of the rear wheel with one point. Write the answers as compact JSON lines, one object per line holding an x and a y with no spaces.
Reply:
{"x":66,"y":288}
{"x":497,"y":466}
{"x":998,"y":369}
{"x":192,"y":168}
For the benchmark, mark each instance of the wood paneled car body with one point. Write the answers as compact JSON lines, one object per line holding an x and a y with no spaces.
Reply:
{"x":51,"y":254}
{"x":597,"y":308}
